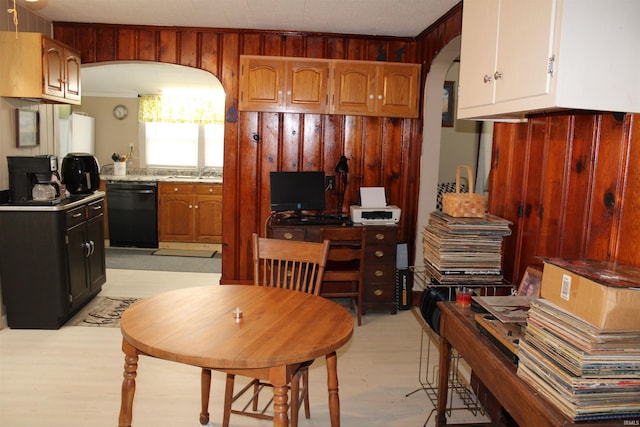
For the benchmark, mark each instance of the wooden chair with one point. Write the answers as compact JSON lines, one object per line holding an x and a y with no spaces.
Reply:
{"x":284,"y":264}
{"x":343,"y":273}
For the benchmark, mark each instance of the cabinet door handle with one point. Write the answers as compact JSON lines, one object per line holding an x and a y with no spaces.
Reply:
{"x":175,"y":189}
{"x":371,"y":96}
{"x":487,"y":78}
{"x":379,"y":254}
{"x":288,"y":93}
{"x":497,"y":75}
{"x":196,"y":206}
{"x":87,"y":249}
{"x":379,"y":96}
{"x":190,"y":206}
{"x":92,"y":245}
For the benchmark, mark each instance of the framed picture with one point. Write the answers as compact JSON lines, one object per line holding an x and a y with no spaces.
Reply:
{"x":27,"y":128}
{"x":447,"y":105}
{"x":530,"y":283}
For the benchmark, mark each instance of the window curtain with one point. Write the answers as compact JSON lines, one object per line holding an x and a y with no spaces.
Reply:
{"x":180,"y":109}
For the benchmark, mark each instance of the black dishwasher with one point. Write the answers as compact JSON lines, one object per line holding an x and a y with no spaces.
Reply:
{"x":132,"y":209}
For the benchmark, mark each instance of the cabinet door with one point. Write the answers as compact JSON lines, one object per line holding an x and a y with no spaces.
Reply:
{"x":78,"y":249}
{"x":306,"y":86}
{"x":53,"y":68}
{"x":397,"y":90}
{"x":96,"y":259}
{"x":478,"y":53}
{"x":208,"y":219}
{"x":525,"y":44}
{"x":175,"y":217}
{"x":262,"y":83}
{"x":354,"y":86}
{"x":72,"y":75}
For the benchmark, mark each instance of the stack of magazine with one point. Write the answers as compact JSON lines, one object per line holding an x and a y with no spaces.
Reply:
{"x":587,"y":373}
{"x":464,"y":250}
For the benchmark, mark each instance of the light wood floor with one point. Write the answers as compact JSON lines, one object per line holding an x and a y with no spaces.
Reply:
{"x":72,"y":377}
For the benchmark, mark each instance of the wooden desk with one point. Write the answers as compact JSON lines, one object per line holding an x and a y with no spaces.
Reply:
{"x":195,"y":326}
{"x":379,"y":271}
{"x":526,"y":407}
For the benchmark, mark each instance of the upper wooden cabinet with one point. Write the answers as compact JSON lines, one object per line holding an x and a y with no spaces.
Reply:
{"x":519,"y":57}
{"x":319,"y":86}
{"x":36,"y":66}
{"x":375,"y":88}
{"x":283,"y":84}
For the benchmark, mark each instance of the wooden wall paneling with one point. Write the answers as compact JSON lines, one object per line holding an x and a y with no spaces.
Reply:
{"x":291,"y":150}
{"x":147,"y":44}
{"x":105,"y":39}
{"x":372,"y":152}
{"x":606,"y":188}
{"x":209,"y":58}
{"x":189,"y":48}
{"x":333,"y":147}
{"x":272,"y":45}
{"x":553,"y":200}
{"x":576,"y":197}
{"x":530,"y":210}
{"x":167,"y":48}
{"x":628,"y":247}
{"x":311,"y":136}
{"x":126,"y":44}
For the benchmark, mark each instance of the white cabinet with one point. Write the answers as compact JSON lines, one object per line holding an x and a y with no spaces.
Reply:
{"x":520,"y":56}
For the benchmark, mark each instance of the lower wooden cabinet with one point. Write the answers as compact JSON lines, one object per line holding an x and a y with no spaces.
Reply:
{"x":190,"y":213}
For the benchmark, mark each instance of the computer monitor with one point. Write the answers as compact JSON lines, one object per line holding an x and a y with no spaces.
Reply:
{"x":297,"y":191}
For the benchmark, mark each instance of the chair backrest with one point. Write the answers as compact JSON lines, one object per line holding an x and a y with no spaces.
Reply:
{"x":289,"y":264}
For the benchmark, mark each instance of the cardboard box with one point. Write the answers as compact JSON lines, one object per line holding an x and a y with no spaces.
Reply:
{"x":603,"y":294}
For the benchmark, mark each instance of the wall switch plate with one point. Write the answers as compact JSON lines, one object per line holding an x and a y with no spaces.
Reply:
{"x":329,"y":182}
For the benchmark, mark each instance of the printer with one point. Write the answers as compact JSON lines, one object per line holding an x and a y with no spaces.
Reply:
{"x":373,"y":208}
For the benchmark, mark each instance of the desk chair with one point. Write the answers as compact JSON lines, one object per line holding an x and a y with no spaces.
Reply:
{"x":284,"y":264}
{"x":343,"y":274}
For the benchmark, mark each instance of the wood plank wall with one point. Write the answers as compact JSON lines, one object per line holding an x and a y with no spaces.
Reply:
{"x":570,"y":184}
{"x":382,"y":151}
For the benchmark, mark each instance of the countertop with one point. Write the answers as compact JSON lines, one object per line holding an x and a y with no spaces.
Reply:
{"x":63,"y":205}
{"x":163,"y":178}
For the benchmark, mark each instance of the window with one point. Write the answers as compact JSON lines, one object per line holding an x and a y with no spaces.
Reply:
{"x":183,"y":145}
{"x":183,"y":129}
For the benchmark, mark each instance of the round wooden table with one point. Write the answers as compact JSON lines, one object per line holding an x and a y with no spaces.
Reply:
{"x":279,"y":330}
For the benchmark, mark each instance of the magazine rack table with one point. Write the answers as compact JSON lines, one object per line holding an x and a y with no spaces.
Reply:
{"x":196,"y":326}
{"x":493,"y":368}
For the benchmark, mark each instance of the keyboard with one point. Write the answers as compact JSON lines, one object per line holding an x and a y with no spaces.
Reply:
{"x":317,"y":220}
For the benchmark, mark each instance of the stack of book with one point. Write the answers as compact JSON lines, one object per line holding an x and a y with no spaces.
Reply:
{"x":464,"y":250}
{"x":587,"y":373}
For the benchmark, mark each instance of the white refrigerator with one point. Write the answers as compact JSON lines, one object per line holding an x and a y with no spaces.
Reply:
{"x":77,"y":134}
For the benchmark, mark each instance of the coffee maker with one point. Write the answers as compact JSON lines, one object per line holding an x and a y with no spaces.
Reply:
{"x":27,"y":172}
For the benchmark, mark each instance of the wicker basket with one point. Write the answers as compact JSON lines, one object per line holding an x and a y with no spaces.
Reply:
{"x":466,"y":205}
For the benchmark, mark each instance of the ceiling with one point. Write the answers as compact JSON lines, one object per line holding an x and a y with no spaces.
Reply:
{"x":401,"y":18}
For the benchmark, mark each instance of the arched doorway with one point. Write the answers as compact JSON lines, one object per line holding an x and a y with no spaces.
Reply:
{"x":431,"y":136}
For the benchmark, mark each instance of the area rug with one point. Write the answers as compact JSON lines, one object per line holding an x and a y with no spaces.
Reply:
{"x":103,"y":312}
{"x":185,"y":252}
{"x":141,"y":259}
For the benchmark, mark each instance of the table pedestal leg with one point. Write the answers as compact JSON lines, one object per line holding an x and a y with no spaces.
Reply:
{"x":205,"y":390}
{"x":128,"y":384}
{"x":332,"y":385}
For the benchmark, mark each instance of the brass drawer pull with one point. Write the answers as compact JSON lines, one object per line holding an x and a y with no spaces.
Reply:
{"x":288,"y":236}
{"x":379,"y":273}
{"x":379,"y":253}
{"x":380,"y":236}
{"x":377,"y":292}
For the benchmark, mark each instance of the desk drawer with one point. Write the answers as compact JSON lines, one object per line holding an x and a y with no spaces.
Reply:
{"x":379,"y":254}
{"x":382,"y":235}
{"x":76,"y":216}
{"x":288,"y":233}
{"x":379,"y":293}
